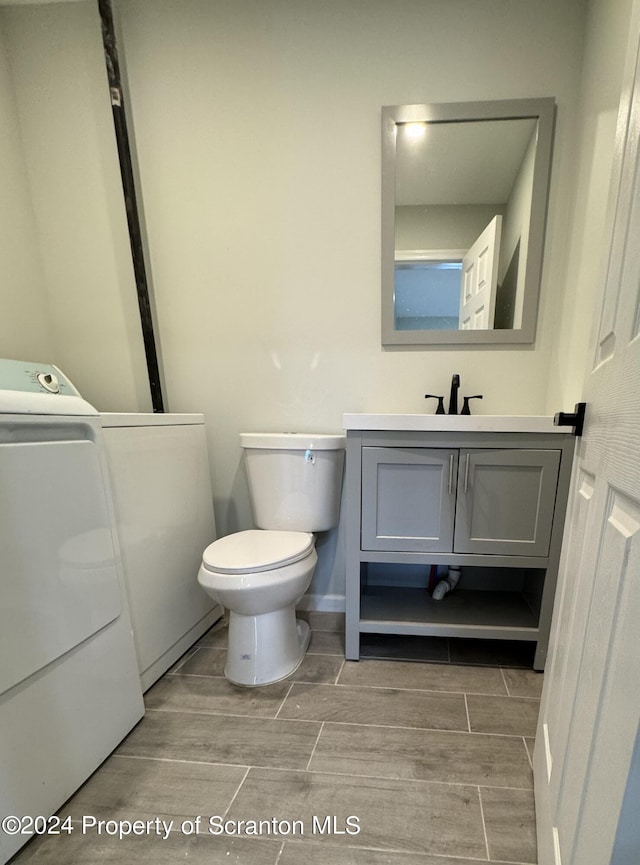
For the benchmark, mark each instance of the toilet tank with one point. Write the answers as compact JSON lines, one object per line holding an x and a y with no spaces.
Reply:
{"x":295,"y":479}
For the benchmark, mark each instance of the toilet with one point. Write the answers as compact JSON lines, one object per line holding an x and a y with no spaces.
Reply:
{"x":259,"y":575}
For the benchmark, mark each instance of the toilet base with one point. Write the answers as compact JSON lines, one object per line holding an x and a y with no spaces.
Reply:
{"x":266,"y":648}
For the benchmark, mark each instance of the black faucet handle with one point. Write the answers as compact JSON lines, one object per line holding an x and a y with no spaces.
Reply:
{"x":440,"y":409}
{"x":465,"y":404}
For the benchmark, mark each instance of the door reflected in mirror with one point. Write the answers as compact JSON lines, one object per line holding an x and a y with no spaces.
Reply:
{"x":464,"y":204}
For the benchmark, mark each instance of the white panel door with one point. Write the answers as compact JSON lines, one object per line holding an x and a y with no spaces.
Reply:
{"x":480,"y":279}
{"x":586,"y":764}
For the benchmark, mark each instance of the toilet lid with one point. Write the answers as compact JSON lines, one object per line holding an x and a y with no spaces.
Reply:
{"x":256,"y":550}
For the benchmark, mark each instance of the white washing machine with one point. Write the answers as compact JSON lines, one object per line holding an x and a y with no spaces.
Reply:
{"x":163,"y":501}
{"x":69,"y":685}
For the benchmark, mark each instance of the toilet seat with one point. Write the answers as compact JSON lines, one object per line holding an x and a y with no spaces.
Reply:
{"x":256,"y":550}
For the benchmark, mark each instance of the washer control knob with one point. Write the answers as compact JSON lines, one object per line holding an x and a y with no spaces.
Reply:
{"x":49,"y":382}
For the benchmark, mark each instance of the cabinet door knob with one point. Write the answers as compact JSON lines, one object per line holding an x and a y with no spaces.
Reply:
{"x":466,"y":472}
{"x":450,"y":474}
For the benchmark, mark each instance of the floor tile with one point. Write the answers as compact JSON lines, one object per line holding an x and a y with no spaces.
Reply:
{"x":426,"y":755}
{"x":203,"y":662}
{"x":510,"y":821}
{"x":383,"y":706}
{"x":388,"y":744}
{"x":78,"y":849}
{"x":428,"y":677}
{"x":530,"y":744}
{"x":320,"y":621}
{"x":327,"y":643}
{"x":401,"y":647}
{"x":314,"y":668}
{"x":505,"y":653}
{"x":523,"y":683}
{"x":296,"y":852}
{"x":131,"y":788}
{"x":511,"y":716}
{"x":318,"y":668}
{"x":406,"y":816}
{"x":218,"y":739}
{"x":181,"y":660}
{"x":216,"y":637}
{"x":215,"y":695}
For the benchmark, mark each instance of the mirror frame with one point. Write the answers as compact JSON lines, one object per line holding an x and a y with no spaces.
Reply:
{"x":507,"y":109}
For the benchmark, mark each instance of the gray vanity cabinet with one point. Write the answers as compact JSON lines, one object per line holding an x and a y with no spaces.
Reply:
{"x":492,"y":503}
{"x":464,"y":501}
{"x":506,"y":500}
{"x":408,"y":498}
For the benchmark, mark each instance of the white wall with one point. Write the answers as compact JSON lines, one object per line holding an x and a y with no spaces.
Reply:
{"x":607,"y":32}
{"x":517,"y":225}
{"x":442,"y":226}
{"x":23,"y":322}
{"x":258,"y":133}
{"x":82,"y":298}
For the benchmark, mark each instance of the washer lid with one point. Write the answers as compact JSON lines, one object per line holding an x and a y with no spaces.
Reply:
{"x":256,"y":550}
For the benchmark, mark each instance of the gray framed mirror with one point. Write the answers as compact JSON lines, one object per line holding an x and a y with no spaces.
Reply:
{"x":464,"y":203}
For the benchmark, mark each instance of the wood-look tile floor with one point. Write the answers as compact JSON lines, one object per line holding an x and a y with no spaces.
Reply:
{"x":429,"y":761}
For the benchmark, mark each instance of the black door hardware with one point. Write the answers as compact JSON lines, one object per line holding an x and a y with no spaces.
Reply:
{"x":576,"y":420}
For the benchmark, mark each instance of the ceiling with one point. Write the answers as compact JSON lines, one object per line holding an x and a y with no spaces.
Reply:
{"x":461,"y":162}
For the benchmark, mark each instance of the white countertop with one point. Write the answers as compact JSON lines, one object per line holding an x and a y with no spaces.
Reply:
{"x":453,"y":423}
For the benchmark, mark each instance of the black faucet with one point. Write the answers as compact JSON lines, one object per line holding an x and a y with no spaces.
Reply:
{"x":453,"y":396}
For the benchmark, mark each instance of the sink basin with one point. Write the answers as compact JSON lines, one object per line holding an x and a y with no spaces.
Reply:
{"x":452,"y":423}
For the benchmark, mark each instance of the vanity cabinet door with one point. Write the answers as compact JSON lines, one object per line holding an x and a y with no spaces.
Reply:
{"x":506,"y":501}
{"x":408,"y":499}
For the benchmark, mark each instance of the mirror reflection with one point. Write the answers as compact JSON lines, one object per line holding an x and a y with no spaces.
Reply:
{"x":468,"y":200}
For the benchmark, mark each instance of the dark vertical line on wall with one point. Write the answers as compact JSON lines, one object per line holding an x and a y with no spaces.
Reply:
{"x":131,"y":203}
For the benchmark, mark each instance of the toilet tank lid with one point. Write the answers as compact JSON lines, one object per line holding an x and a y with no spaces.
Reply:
{"x":294,"y":441}
{"x":256,"y":550}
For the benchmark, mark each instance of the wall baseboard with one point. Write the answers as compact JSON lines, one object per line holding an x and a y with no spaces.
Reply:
{"x":322,"y":603}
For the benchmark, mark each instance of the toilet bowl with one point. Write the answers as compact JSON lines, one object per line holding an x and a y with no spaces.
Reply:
{"x":259,"y":575}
